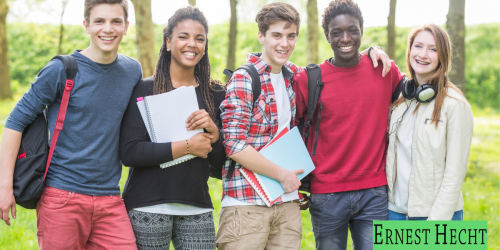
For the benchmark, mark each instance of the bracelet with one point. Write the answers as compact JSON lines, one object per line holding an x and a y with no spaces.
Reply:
{"x":370,"y":49}
{"x":187,"y":146}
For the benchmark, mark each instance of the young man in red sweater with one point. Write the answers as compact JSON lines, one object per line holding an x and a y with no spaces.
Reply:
{"x":348,"y":186}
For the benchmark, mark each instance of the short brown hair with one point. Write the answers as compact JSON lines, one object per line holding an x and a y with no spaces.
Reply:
{"x":89,"y":4}
{"x":275,"y":12}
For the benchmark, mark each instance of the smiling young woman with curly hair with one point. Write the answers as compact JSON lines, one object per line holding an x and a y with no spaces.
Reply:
{"x":173,"y":204}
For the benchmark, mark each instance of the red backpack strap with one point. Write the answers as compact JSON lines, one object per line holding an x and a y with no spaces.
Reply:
{"x":71,"y":68}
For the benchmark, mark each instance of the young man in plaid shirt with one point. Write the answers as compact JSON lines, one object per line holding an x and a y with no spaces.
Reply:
{"x":245,"y":221}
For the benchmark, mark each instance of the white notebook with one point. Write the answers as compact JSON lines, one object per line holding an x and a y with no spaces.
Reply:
{"x":165,"y":117}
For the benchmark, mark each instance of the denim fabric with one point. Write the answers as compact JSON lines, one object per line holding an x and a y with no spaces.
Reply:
{"x":333,"y":213}
{"x":458,"y":215}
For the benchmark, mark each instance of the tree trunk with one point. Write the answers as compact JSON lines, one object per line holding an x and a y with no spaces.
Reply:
{"x":145,"y":37}
{"x":192,"y":2}
{"x":233,"y":30}
{"x":456,"y":29}
{"x":312,"y":31}
{"x":5,"y":91}
{"x":61,"y":30}
{"x":391,"y":31}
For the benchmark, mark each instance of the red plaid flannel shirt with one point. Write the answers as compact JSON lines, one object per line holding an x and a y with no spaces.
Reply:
{"x":246,"y":123}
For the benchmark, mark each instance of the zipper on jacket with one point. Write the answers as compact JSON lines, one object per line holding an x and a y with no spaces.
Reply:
{"x":395,"y":158}
{"x":411,"y":170}
{"x":396,"y":155}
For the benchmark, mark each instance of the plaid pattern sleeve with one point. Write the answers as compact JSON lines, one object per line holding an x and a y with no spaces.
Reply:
{"x":236,"y":112}
{"x":250,"y":124}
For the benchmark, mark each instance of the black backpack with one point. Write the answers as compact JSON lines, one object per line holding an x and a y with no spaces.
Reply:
{"x":216,"y":172}
{"x":34,"y":155}
{"x":256,"y":89}
{"x":314,"y":87}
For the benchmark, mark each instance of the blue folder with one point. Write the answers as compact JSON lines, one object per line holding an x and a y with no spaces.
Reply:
{"x":288,"y":152}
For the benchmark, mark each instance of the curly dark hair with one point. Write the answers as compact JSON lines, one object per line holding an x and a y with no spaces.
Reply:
{"x":161,"y":79}
{"x":340,"y":7}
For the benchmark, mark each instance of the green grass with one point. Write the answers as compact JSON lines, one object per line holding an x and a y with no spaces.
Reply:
{"x":481,"y":188}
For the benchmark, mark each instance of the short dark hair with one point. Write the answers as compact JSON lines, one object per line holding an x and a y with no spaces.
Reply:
{"x":275,"y":12}
{"x":341,"y":7}
{"x":89,"y":4}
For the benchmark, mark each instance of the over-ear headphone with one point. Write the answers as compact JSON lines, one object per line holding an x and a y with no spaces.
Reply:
{"x":423,"y":94}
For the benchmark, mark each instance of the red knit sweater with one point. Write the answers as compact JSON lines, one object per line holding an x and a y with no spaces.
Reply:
{"x":350,"y":153}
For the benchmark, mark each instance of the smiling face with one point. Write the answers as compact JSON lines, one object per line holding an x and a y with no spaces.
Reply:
{"x":106,"y":27}
{"x":424,"y":56}
{"x":344,"y":35}
{"x":278,"y":44}
{"x":187,"y":44}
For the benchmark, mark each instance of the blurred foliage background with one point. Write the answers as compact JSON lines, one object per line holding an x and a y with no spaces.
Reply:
{"x":32,"y":45}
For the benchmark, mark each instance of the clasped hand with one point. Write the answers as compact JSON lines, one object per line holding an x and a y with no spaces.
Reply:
{"x":200,"y":144}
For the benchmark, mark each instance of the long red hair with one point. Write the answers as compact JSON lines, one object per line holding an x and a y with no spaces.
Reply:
{"x":443,"y":47}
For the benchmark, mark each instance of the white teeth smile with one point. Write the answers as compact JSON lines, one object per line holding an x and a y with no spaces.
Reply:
{"x":189,"y":54}
{"x":281,"y":51}
{"x":107,"y":38}
{"x":346,"y":48}
{"x":420,"y":62}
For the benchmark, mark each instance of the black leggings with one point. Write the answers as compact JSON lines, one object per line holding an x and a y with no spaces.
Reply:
{"x":154,"y":231}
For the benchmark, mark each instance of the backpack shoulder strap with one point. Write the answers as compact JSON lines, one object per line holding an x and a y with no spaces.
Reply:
{"x":256,"y":89}
{"x":399,"y":88}
{"x":314,"y":87}
{"x":71,"y":69}
{"x":256,"y":84}
{"x":70,"y":66}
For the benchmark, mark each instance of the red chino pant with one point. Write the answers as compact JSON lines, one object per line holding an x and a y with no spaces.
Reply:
{"x":68,"y":220}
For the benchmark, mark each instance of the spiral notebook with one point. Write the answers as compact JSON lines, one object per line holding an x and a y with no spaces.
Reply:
{"x":165,"y":117}
{"x":288,"y":151}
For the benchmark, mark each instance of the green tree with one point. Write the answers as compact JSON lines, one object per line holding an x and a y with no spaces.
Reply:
{"x":61,"y":30}
{"x":145,"y":36}
{"x":391,"y":30}
{"x":5,"y":91}
{"x":192,"y":2}
{"x":312,"y":31}
{"x":456,"y":29}
{"x":233,"y":30}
